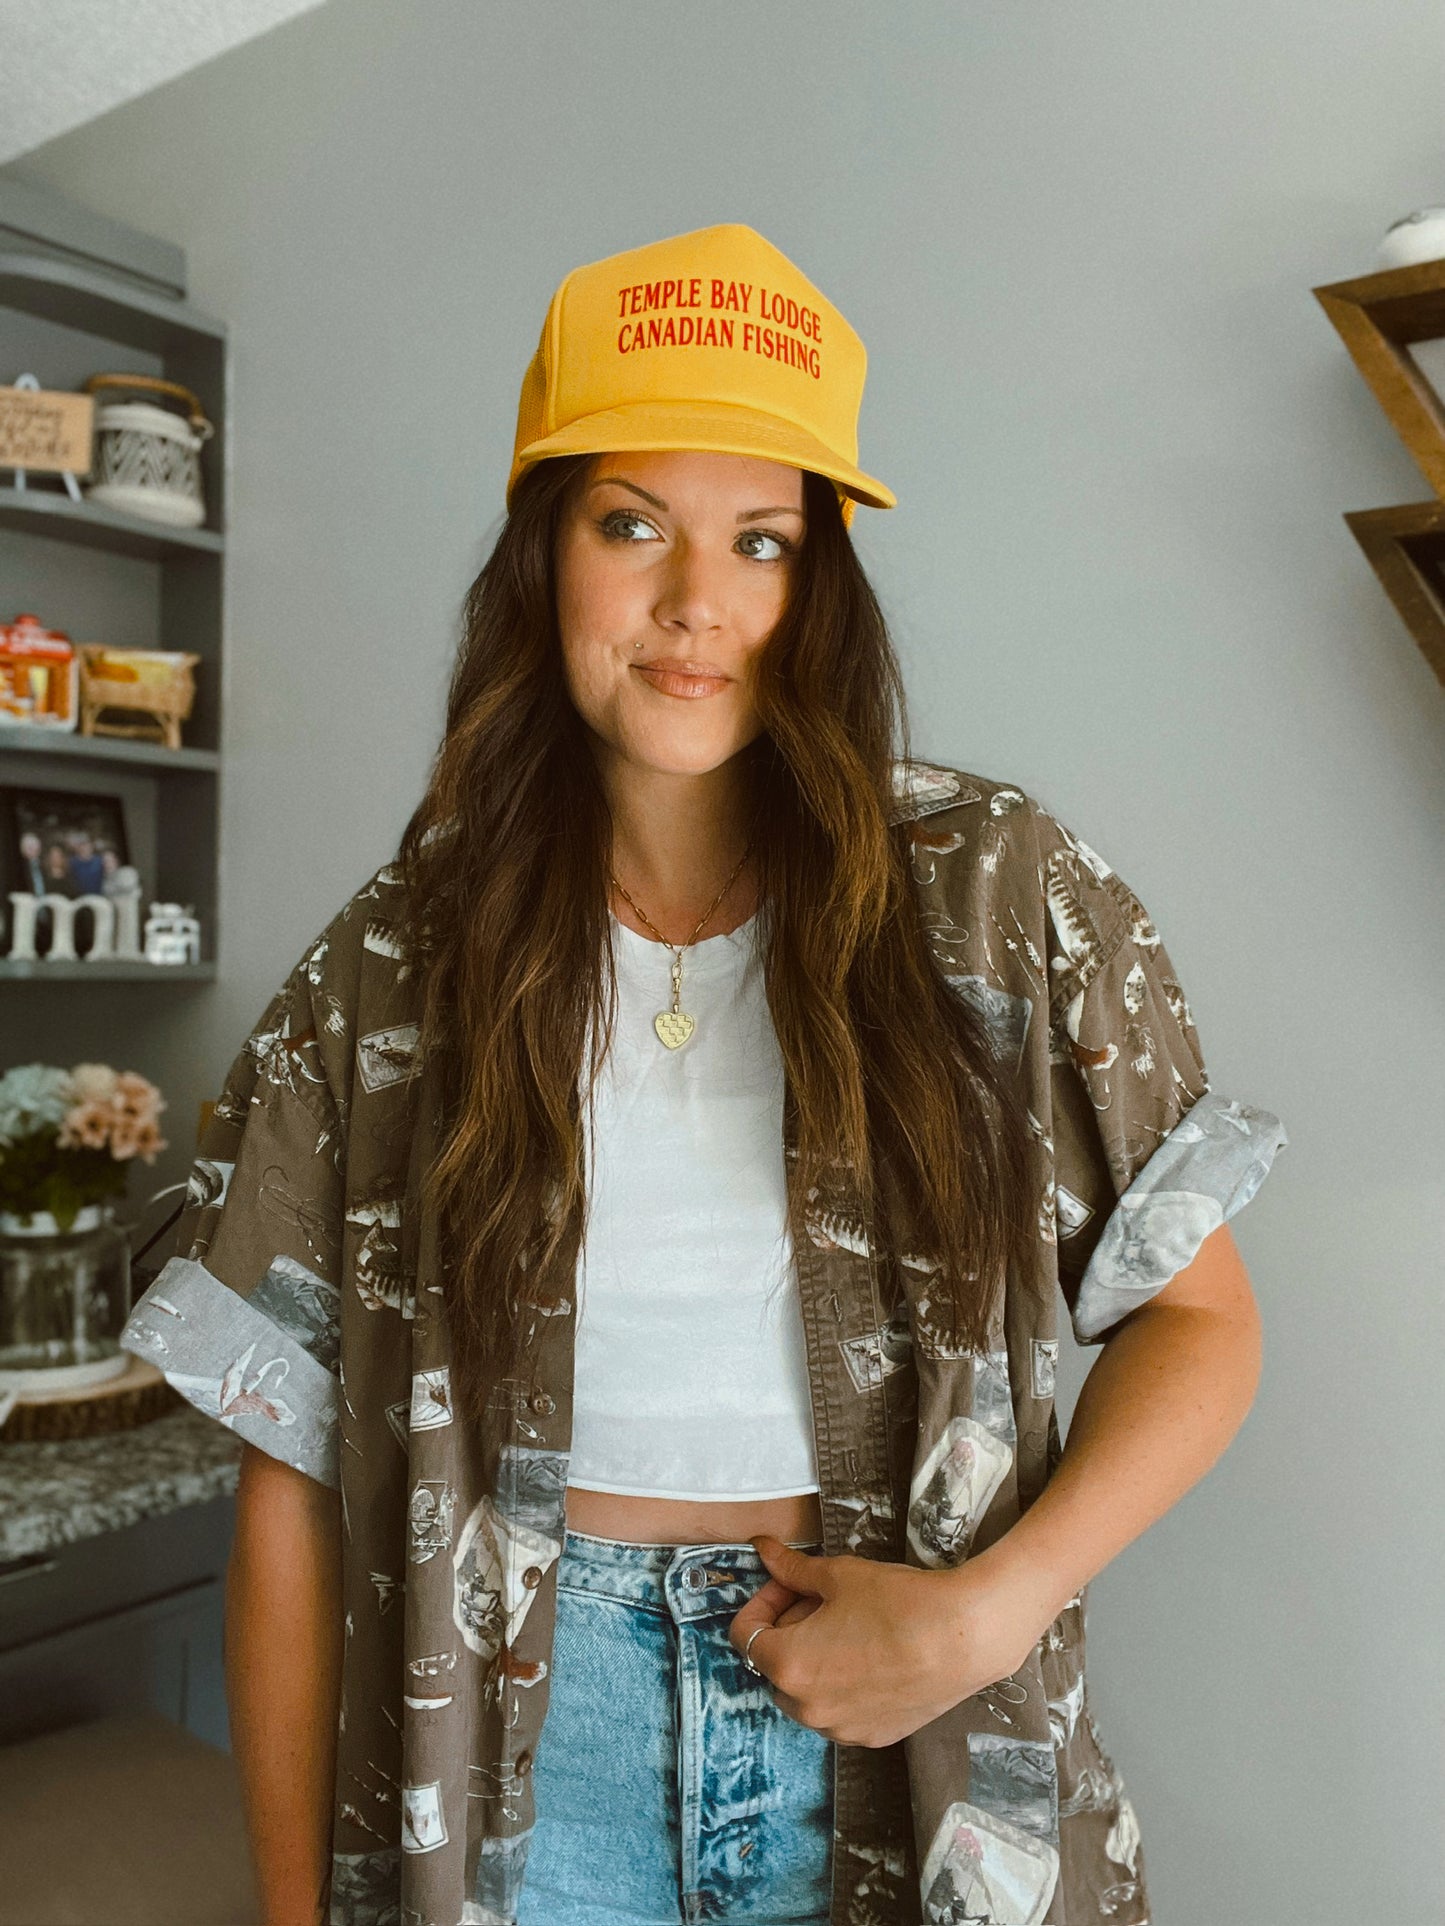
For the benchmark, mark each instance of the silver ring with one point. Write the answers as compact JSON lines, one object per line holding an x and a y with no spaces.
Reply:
{"x":748,"y":1650}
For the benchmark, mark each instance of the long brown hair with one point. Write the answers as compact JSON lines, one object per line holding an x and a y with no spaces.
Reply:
{"x":505,"y":868}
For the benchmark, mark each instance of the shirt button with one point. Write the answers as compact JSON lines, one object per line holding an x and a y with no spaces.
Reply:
{"x":522,"y":1764}
{"x":542,"y":1404}
{"x":532,"y":1577}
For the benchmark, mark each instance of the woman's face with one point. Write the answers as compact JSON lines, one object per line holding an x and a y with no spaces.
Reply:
{"x":672,"y":571}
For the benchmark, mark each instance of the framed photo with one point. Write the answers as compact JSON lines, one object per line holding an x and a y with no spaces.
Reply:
{"x":61,"y":842}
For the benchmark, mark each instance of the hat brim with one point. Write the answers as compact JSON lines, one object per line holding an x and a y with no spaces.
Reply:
{"x":717,"y":427}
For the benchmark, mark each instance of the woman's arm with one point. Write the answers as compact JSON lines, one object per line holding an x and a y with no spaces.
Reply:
{"x":891,"y":1646}
{"x":1170,"y":1390}
{"x":283,"y":1647}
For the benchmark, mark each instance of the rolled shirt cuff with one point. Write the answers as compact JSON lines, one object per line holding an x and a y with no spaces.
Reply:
{"x":1205,"y":1170}
{"x":231,"y":1361}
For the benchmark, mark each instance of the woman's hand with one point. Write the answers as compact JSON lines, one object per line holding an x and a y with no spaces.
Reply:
{"x":866,"y":1652}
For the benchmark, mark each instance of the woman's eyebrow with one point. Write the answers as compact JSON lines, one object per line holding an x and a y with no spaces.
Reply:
{"x":748,"y":514}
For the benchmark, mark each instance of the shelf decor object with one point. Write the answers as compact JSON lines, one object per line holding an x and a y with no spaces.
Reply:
{"x":134,"y":1396}
{"x":47,"y":432}
{"x":67,"y":1140}
{"x":64,"y":1296}
{"x":172,"y":935}
{"x":114,"y":928}
{"x":38,"y":676}
{"x":147,"y":459}
{"x":1415,"y":237}
{"x":158,"y":683}
{"x":1386,"y":321}
{"x":63,"y":851}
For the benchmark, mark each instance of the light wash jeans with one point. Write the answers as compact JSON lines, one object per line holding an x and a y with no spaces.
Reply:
{"x":668,"y":1785}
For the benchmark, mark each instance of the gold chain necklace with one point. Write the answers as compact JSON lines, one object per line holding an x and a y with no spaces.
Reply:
{"x":675,"y":1026}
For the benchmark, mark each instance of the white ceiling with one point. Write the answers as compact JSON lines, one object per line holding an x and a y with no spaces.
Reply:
{"x":64,"y":62}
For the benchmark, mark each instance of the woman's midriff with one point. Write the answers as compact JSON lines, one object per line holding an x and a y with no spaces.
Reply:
{"x":693,"y":1521}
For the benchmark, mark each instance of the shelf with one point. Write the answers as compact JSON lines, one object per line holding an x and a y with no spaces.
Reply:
{"x":1379,"y":317}
{"x":1405,"y":546}
{"x":99,"y":304}
{"x":113,"y":971}
{"x":137,"y":754}
{"x":72,"y":315}
{"x":50,"y":512}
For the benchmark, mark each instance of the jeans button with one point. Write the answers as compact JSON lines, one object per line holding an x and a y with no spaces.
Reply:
{"x":693,"y":1578}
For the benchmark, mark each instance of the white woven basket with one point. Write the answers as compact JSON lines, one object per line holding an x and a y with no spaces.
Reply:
{"x":147,"y":459}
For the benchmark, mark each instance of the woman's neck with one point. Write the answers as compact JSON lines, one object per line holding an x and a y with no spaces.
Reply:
{"x":678,"y":927}
{"x":677,"y":840}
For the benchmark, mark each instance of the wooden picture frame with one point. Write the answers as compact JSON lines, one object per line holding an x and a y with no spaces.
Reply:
{"x":59,"y":819}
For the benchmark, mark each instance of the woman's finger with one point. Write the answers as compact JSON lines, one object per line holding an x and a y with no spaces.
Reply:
{"x":774,"y":1596}
{"x":803,"y":1607}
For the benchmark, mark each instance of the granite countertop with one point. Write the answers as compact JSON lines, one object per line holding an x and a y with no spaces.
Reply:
{"x":55,"y":1493}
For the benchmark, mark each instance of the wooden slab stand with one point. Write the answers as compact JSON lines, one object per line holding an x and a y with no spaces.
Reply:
{"x":133,"y":1397}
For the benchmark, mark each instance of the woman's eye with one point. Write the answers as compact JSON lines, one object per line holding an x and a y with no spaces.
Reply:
{"x":621,"y":523}
{"x":781,"y":546}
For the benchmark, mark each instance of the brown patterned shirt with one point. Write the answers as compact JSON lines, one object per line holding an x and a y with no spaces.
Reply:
{"x":307,"y":1316}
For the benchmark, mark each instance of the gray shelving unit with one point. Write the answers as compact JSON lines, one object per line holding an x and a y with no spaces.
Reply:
{"x":113,"y":1549}
{"x":78,"y":295}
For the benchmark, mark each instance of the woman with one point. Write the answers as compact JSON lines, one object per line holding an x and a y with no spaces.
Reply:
{"x":657,"y":1185}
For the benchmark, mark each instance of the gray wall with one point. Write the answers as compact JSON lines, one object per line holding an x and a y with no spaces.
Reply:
{"x":1079,"y":244}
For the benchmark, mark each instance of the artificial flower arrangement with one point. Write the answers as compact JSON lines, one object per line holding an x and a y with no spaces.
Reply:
{"x":67,"y":1136}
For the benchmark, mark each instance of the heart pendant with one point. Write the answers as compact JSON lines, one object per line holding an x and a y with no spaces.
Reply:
{"x":674,"y":1027}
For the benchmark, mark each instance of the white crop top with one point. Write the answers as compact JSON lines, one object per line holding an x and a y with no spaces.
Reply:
{"x":691,"y":1376}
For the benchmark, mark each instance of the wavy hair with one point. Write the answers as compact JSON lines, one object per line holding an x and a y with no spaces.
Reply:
{"x":890,"y":1076}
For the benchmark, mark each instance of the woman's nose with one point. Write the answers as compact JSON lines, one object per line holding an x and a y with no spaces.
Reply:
{"x":690,"y":597}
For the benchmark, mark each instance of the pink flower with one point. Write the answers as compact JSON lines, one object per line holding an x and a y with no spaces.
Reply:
{"x":92,"y":1082}
{"x":87,"y":1125}
{"x":135,"y":1096}
{"x":112,"y":1110}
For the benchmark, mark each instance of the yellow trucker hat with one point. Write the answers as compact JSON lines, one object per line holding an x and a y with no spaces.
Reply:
{"x":709,"y":340}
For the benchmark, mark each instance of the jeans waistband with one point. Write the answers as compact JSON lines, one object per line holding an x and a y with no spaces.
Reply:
{"x":678,"y":1581}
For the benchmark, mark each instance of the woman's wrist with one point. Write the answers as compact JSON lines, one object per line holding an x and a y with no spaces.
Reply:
{"x":1025,"y":1587}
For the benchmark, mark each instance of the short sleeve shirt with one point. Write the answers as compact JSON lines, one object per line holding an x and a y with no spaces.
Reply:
{"x":304,"y":1312}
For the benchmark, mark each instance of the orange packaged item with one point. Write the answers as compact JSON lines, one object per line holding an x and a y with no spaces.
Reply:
{"x":38,"y":676}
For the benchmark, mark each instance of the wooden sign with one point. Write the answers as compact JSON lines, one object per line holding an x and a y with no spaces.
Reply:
{"x":46,"y":430}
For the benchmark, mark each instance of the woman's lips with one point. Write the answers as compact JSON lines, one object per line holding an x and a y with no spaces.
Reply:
{"x":681,"y":682}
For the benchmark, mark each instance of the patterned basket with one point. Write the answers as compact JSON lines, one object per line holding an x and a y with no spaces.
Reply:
{"x":147,"y":460}
{"x":159,"y":683}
